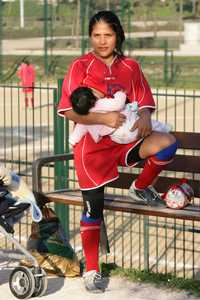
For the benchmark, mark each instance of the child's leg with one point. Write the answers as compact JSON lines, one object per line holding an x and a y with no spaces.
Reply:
{"x":32,"y":98}
{"x":159,"y":126}
{"x":79,"y":131}
{"x":26,"y":100}
{"x":32,"y":102}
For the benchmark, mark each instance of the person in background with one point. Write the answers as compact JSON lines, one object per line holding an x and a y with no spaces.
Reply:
{"x":108,"y":70}
{"x":26,"y":74}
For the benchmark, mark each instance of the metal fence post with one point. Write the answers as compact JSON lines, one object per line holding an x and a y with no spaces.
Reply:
{"x":1,"y":37}
{"x":169,"y":72}
{"x":46,"y":37}
{"x":146,"y":242}
{"x":84,"y":6}
{"x":166,"y":62}
{"x":61,"y":169}
{"x":172,"y":72}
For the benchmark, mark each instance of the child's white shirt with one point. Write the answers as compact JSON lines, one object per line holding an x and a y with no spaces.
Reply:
{"x":121,"y":135}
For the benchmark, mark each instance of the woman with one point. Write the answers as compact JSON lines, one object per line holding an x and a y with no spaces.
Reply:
{"x":108,"y":70}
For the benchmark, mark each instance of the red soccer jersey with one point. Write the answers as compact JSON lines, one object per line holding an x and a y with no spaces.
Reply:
{"x":27,"y":75}
{"x":123,"y":74}
{"x":97,"y":163}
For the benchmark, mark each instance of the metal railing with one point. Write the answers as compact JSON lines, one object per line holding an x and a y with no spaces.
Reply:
{"x":27,"y":133}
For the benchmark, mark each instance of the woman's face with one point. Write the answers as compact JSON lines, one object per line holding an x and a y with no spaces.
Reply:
{"x":103,"y":41}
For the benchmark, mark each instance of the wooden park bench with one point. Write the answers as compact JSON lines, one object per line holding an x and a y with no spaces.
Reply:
{"x":186,"y":164}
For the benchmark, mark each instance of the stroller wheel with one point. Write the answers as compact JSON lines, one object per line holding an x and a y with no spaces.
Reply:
{"x":22,"y":282}
{"x":40,"y":283}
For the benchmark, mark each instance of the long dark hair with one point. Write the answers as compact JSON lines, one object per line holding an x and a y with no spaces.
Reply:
{"x":113,"y":21}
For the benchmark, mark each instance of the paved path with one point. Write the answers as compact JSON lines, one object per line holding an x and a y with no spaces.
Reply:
{"x":35,"y":46}
{"x":118,"y":289}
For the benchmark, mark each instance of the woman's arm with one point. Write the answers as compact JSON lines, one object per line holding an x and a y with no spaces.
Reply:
{"x":146,"y":103}
{"x":111,"y":119}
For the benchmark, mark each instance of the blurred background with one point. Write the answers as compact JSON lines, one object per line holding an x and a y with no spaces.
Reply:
{"x":164,"y":35}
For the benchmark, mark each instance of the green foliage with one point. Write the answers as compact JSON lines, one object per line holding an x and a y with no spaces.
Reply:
{"x":159,"y":280}
{"x":140,"y":10}
{"x":12,"y":9}
{"x":185,"y":69}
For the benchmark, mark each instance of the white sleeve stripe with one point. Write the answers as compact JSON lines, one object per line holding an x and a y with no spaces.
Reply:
{"x":146,"y":106}
{"x":87,"y":71}
{"x":61,"y":111}
{"x":126,"y":65}
{"x":139,"y":101}
{"x":70,"y":74}
{"x":132,"y":80}
{"x":142,"y":84}
{"x":133,"y":88}
{"x":70,"y":77}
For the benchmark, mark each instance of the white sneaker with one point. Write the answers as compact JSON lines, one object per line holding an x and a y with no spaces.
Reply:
{"x":94,"y":282}
{"x":147,"y":196}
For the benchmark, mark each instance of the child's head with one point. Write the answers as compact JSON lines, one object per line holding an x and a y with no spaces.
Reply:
{"x":82,"y":100}
{"x":26,"y":61}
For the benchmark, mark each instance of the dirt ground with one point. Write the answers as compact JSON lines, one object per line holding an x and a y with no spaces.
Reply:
{"x":117,"y":289}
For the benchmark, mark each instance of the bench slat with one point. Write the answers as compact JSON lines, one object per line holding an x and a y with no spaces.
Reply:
{"x":189,"y":140}
{"x":125,"y":180}
{"x":126,"y":204}
{"x":183,"y":163}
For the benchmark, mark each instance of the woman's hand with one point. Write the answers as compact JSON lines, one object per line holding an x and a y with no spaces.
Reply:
{"x":113,"y":119}
{"x":143,"y":124}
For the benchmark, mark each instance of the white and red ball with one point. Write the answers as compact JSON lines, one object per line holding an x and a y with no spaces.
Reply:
{"x":179,"y":195}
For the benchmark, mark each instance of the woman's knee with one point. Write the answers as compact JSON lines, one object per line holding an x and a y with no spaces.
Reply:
{"x":170,"y":139}
{"x":163,"y":140}
{"x":157,"y":142}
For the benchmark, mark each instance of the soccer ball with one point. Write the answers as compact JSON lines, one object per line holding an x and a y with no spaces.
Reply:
{"x":179,"y":195}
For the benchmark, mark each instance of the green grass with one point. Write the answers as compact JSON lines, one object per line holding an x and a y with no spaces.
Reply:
{"x":62,"y":62}
{"x":157,"y":279}
{"x":187,"y":76}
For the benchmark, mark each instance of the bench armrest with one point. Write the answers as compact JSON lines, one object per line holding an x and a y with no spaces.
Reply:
{"x":41,"y":162}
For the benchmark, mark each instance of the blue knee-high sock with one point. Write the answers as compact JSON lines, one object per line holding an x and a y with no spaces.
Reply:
{"x":154,"y":165}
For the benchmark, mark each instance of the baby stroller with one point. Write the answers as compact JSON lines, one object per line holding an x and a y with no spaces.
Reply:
{"x":15,"y":199}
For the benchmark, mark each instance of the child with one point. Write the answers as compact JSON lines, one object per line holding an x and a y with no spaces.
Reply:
{"x":26,"y":73}
{"x":86,"y":99}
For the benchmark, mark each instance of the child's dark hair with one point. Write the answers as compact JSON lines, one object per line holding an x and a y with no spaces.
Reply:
{"x":113,"y":21}
{"x":26,"y":61}
{"x":82,"y":100}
